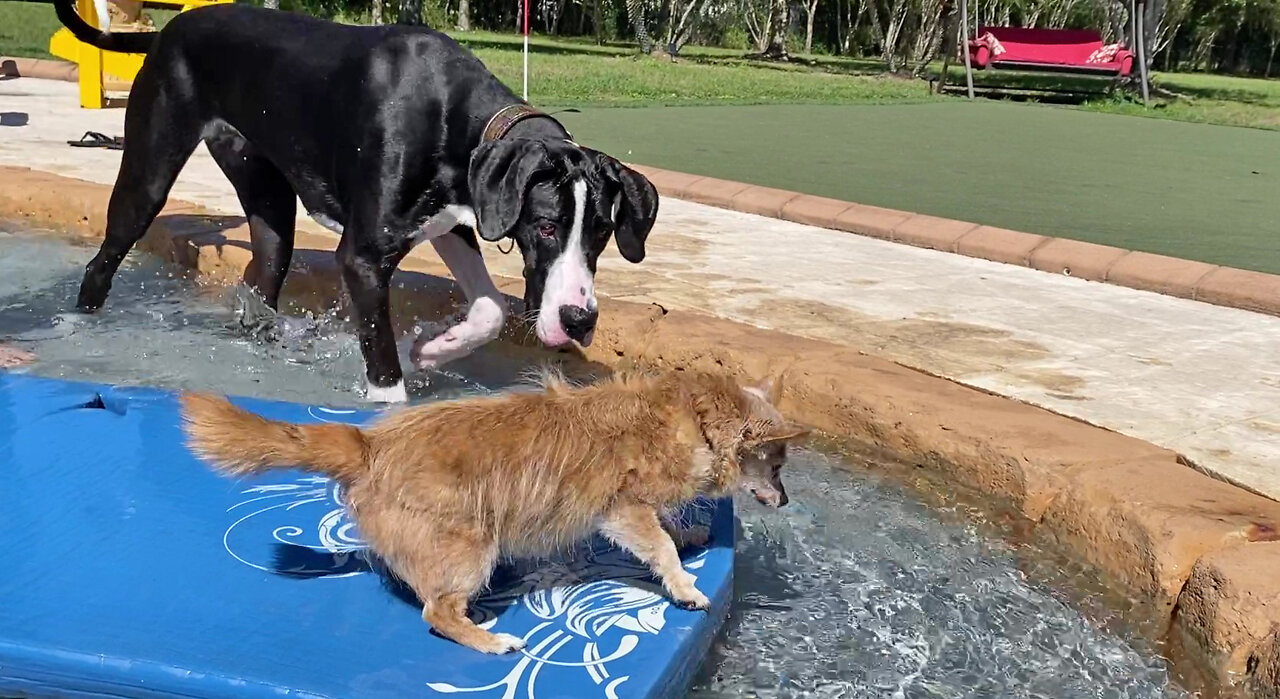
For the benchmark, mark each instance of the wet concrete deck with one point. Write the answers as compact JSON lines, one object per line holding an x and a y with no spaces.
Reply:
{"x":1201,"y":379}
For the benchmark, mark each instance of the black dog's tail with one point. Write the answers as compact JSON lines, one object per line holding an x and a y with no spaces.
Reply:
{"x":123,"y":42}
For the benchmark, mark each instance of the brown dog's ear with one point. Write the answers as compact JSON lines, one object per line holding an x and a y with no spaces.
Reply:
{"x":637,"y":206}
{"x":499,"y":177}
{"x":771,"y":388}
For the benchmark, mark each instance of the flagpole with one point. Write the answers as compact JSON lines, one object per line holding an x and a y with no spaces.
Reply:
{"x":526,"y":50}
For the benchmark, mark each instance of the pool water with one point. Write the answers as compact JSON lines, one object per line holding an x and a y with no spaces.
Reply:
{"x":858,"y":588}
{"x":161,"y":328}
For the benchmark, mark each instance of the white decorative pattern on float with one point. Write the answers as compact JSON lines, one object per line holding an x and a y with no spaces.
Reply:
{"x":589,"y":609}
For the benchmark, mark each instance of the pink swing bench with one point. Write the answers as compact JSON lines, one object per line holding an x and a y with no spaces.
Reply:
{"x":1078,"y":51}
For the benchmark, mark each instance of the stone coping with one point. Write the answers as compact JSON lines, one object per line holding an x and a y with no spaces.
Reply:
{"x":1200,"y":557}
{"x":1223,"y":286}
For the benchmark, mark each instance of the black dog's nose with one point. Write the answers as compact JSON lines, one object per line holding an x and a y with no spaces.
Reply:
{"x":578,"y":321}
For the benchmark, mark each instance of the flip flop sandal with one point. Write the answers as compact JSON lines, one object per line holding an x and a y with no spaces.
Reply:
{"x":94,"y":139}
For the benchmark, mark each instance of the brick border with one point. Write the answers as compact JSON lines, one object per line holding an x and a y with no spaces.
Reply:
{"x":1200,"y":555}
{"x":1223,"y":286}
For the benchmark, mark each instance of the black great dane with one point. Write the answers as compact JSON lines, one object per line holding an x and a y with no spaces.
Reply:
{"x":390,"y":136}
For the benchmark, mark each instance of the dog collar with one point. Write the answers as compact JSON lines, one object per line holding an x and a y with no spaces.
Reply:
{"x":505,"y":119}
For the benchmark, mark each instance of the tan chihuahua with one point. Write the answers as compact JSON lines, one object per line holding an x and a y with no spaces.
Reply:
{"x":442,"y":491}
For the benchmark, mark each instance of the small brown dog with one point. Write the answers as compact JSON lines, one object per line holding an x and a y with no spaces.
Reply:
{"x":441,"y":492}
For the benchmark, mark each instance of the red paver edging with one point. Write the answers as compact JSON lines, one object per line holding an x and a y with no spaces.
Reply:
{"x":1222,"y":286}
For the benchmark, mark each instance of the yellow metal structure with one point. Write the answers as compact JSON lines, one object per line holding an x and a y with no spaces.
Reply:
{"x":97,"y":67}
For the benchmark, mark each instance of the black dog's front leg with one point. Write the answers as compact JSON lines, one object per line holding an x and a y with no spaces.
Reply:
{"x":367,"y":271}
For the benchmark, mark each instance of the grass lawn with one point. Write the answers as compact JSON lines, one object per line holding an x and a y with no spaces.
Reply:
{"x":25,"y":28}
{"x":1188,"y":190}
{"x":579,"y":73}
{"x":617,"y":77}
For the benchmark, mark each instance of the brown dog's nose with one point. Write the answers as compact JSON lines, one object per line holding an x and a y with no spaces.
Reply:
{"x":578,"y":321}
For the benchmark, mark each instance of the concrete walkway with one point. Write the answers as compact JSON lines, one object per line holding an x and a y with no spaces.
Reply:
{"x":1201,"y":379}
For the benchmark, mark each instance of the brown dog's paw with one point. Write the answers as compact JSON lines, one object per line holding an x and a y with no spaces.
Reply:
{"x":686,"y":596}
{"x":500,"y":644}
{"x":696,"y":603}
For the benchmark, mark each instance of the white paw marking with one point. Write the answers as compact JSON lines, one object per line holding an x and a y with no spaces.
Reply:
{"x":387,"y":394}
{"x":326,"y":222}
{"x":484,"y":323}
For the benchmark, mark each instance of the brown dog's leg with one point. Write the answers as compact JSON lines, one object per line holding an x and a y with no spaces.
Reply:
{"x":446,"y":582}
{"x":636,"y":528}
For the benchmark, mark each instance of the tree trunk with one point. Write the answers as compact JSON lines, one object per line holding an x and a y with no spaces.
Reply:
{"x":779,"y":22}
{"x":597,"y":21}
{"x":1118,"y":18}
{"x":671,"y":13}
{"x":840,"y":41}
{"x":464,"y":15}
{"x":375,"y":12}
{"x":873,"y":16}
{"x":853,"y":22}
{"x":811,"y":9}
{"x":1271,"y":57}
{"x":680,"y":29}
{"x":897,"y":17}
{"x":271,"y":4}
{"x":635,"y":10}
{"x":950,"y":40}
{"x":929,"y":34}
{"x":752,"y":18}
{"x":553,"y":22}
{"x":410,"y":12}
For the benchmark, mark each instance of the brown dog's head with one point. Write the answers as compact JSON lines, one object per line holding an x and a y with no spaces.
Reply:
{"x":763,"y":450}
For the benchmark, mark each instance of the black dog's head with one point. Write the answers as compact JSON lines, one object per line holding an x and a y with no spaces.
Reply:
{"x":561,"y":203}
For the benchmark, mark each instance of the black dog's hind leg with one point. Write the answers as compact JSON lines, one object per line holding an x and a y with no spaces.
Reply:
{"x":366,"y":272}
{"x":161,"y":129}
{"x":269,"y":204}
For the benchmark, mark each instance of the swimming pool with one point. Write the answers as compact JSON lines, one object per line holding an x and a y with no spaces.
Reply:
{"x":860,"y":588}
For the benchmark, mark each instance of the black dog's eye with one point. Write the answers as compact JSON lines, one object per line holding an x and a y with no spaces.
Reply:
{"x":547,"y":230}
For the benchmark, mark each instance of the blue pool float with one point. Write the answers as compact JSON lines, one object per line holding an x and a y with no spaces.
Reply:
{"x":134,"y":571}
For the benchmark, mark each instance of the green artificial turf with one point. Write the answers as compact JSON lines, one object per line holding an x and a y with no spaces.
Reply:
{"x":1196,"y":191}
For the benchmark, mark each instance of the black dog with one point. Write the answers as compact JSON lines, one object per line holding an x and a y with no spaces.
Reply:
{"x":390,"y":136}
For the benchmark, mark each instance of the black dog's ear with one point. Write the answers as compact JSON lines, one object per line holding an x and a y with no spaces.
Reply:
{"x":499,"y":177}
{"x":637,"y":207}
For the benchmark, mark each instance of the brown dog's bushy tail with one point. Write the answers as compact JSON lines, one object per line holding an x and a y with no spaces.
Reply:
{"x":239,"y":443}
